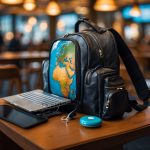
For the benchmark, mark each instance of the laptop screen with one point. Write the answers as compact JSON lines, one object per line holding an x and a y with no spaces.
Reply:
{"x":62,"y":75}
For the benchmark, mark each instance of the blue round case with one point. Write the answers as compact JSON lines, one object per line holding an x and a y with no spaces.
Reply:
{"x":90,"y":121}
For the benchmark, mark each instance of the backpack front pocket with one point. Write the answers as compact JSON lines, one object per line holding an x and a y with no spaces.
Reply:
{"x":45,"y":67}
{"x":115,"y":98}
{"x":64,"y":68}
{"x":94,"y":90}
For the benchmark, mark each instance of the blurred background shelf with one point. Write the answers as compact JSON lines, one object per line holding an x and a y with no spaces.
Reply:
{"x":26,"y":33}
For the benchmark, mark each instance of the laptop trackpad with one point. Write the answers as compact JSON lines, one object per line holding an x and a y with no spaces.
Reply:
{"x":28,"y":105}
{"x":24,"y":103}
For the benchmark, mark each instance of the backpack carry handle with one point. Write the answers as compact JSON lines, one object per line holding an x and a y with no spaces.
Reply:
{"x":90,"y":24}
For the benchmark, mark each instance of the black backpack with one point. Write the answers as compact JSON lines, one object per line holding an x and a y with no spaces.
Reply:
{"x":99,"y":90}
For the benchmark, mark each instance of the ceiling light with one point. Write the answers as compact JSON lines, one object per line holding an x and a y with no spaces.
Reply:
{"x":135,"y":11}
{"x":61,"y":25}
{"x":11,"y":2}
{"x":29,"y":5}
{"x":53,"y":9}
{"x":105,"y":5}
{"x":9,"y":36}
{"x":81,"y":10}
{"x":43,"y":25}
{"x":32,"y":21}
{"x":28,"y":28}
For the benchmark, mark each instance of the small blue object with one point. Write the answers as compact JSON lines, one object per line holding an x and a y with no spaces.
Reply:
{"x":90,"y":121}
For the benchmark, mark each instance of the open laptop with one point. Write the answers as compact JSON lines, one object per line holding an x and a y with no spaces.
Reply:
{"x":36,"y":101}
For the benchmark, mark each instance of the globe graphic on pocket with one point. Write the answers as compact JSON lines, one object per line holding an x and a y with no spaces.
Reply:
{"x":62,"y":69}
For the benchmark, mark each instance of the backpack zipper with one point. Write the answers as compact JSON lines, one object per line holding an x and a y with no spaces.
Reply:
{"x":89,"y":72}
{"x":78,"y":68}
{"x":100,"y":50}
{"x":116,"y":87}
{"x":109,"y":96}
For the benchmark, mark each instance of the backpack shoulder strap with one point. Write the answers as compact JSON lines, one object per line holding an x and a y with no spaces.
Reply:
{"x":133,"y":70}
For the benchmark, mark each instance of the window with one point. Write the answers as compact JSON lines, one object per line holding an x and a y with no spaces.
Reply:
{"x":34,"y":29}
{"x":5,"y":22}
{"x":65,"y":23}
{"x":6,"y":27}
{"x":145,"y":11}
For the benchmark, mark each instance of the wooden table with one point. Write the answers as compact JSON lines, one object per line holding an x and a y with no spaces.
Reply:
{"x":7,"y":57}
{"x":55,"y":134}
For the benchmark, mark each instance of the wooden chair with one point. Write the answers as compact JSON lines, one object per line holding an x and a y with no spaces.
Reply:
{"x":36,"y":67}
{"x":33,"y":68}
{"x":11,"y":73}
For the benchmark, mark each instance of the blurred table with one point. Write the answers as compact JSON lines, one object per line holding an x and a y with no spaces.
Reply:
{"x":8,"y":57}
{"x":28,"y":62}
{"x":145,"y":54}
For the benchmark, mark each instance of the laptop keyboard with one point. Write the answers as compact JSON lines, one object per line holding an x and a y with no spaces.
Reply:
{"x":46,"y":100}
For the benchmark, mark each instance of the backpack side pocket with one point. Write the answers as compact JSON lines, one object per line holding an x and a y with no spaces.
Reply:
{"x":93,"y":97}
{"x":90,"y":104}
{"x":115,"y":98}
{"x":45,"y":67}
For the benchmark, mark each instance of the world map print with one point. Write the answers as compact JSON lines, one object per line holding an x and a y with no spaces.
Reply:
{"x":62,"y":69}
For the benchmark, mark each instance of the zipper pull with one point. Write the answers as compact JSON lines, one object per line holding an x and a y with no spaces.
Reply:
{"x":120,"y":88}
{"x":101,"y":53}
{"x":66,"y":35}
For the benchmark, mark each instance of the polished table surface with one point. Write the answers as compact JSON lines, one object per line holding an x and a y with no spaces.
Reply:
{"x":24,"y":55}
{"x":56,"y":134}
